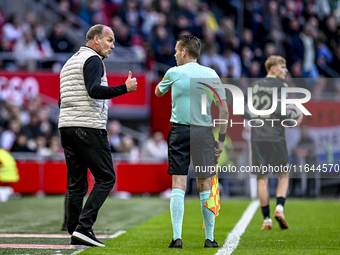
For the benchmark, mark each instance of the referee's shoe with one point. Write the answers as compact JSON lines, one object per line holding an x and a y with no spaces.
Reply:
{"x":87,"y":237}
{"x":176,"y":243}
{"x":211,"y":244}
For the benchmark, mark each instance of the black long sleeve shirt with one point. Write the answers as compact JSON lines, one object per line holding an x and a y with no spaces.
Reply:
{"x":93,"y":72}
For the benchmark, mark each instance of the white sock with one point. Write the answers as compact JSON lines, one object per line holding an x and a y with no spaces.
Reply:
{"x":279,"y":208}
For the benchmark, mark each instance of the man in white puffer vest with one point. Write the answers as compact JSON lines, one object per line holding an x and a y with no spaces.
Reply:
{"x":83,"y":105}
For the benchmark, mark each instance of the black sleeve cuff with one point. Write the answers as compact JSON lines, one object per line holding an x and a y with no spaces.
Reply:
{"x":221,"y":137}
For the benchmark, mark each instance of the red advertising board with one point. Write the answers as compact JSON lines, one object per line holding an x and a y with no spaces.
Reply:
{"x":324,"y":113}
{"x":20,"y":86}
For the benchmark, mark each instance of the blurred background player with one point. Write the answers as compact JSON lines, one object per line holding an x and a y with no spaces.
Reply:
{"x":268,"y":142}
{"x":191,"y":133}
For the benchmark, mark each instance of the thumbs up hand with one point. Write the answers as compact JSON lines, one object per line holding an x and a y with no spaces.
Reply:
{"x":131,"y":83}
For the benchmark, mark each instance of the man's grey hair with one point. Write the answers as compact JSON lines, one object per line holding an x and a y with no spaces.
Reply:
{"x":95,"y":30}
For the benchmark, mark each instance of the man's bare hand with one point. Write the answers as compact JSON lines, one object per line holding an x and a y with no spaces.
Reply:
{"x":218,"y":150}
{"x":131,"y":83}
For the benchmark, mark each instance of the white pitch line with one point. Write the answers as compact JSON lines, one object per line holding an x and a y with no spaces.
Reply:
{"x":76,"y":252}
{"x":234,"y":236}
{"x":118,"y":233}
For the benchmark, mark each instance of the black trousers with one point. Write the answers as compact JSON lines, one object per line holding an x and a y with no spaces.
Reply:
{"x":86,"y":148}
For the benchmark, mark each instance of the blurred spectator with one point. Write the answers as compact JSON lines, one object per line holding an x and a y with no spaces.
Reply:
{"x":47,"y":127}
{"x":138,"y":48}
{"x":188,"y":9}
{"x":303,"y":49}
{"x":26,"y":51}
{"x":32,"y":129}
{"x":64,"y":6}
{"x":209,"y":38}
{"x":232,"y":62}
{"x":150,"y":27}
{"x":254,"y":69}
{"x":292,"y":32}
{"x":181,"y":23}
{"x":2,"y":19}
{"x":20,"y":144}
{"x":50,"y":150}
{"x":121,"y":31}
{"x":128,"y":149}
{"x":212,"y":59}
{"x":111,"y":8}
{"x":269,"y":50}
{"x":305,"y":153}
{"x":272,"y":24}
{"x":186,"y":18}
{"x":114,"y":134}
{"x":289,"y":12}
{"x":227,"y":34}
{"x":247,"y":57}
{"x":330,"y":30}
{"x":30,"y":21}
{"x":272,"y":19}
{"x":166,"y":8}
{"x":336,"y":59}
{"x":163,"y":46}
{"x":33,"y":105}
{"x":131,"y":15}
{"x":44,"y":46}
{"x":150,"y":17}
{"x":253,"y":23}
{"x":89,"y":10}
{"x":99,"y":16}
{"x":324,"y":56}
{"x":248,"y":41}
{"x":11,"y":111}
{"x":296,"y":69}
{"x":8,"y":137}
{"x":12,"y":28}
{"x":41,"y":146}
{"x":155,"y":147}
{"x":206,"y":18}
{"x":58,"y":39}
{"x":56,"y":150}
{"x":309,"y":10}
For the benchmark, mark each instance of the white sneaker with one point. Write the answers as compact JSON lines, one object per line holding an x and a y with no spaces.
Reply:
{"x":267,"y":224}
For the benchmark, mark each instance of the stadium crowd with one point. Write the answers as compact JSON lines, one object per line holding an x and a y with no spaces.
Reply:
{"x":30,"y":128}
{"x":306,"y":33}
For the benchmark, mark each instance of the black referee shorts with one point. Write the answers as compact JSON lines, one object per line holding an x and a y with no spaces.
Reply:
{"x":269,"y":153}
{"x":195,"y":141}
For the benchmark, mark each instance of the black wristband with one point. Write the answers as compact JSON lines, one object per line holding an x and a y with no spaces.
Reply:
{"x":221,"y":137}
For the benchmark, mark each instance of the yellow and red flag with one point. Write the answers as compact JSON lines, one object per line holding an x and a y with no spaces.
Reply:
{"x":213,"y":202}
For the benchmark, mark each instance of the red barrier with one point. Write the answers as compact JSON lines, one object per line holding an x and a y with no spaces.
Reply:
{"x":55,"y":177}
{"x":30,"y":178}
{"x":142,"y":178}
{"x":51,"y":178}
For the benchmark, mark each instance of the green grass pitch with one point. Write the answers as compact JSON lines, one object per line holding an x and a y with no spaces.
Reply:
{"x":313,"y":226}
